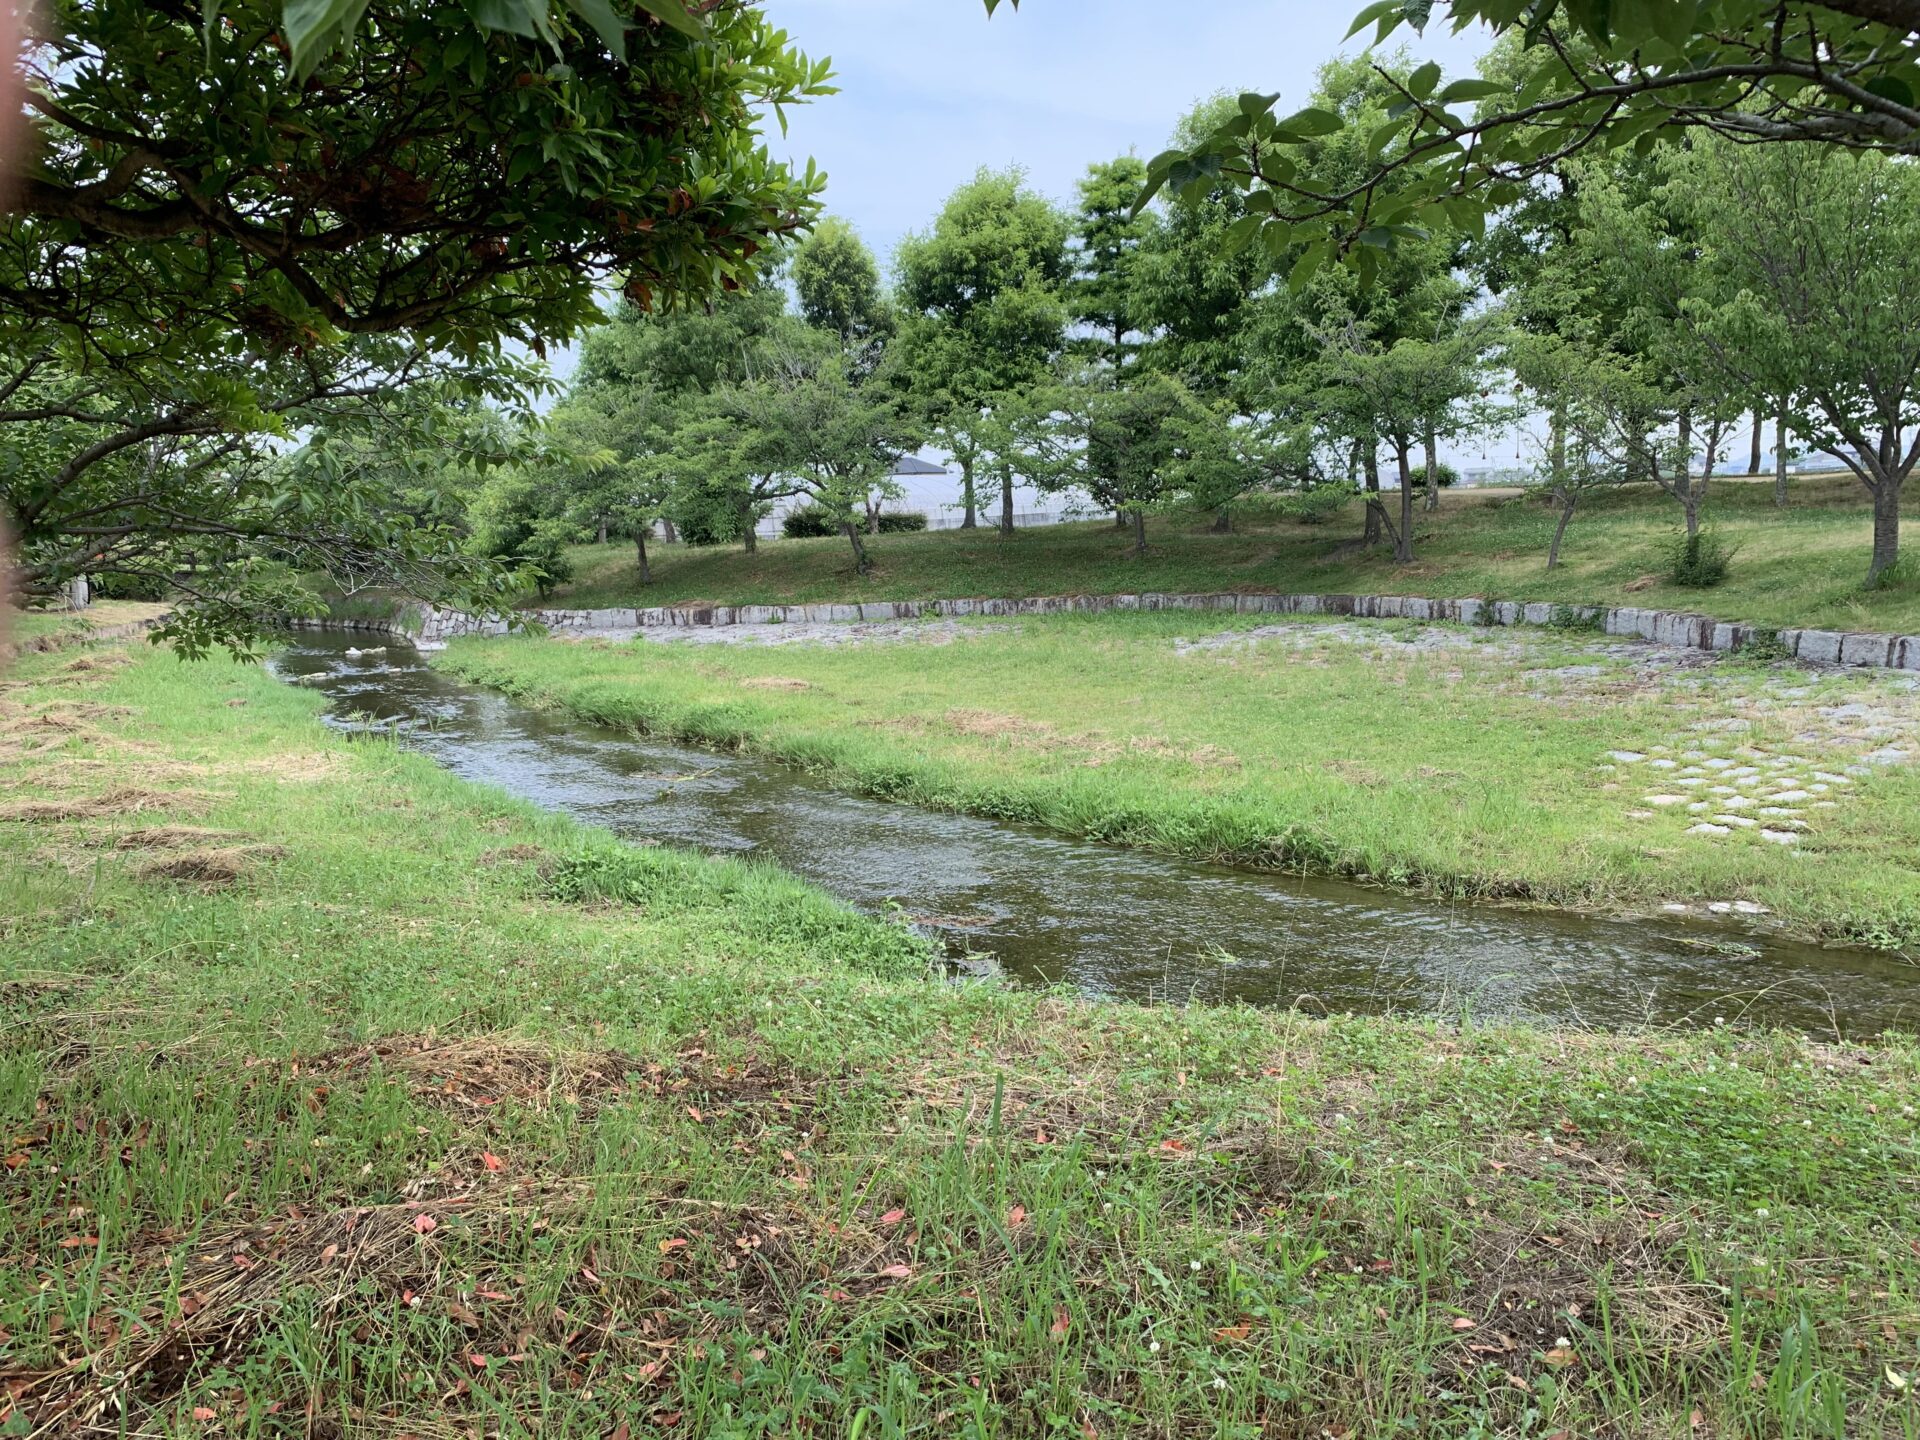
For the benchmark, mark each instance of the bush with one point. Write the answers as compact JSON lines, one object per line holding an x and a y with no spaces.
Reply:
{"x":1700,"y":561}
{"x":808,"y":522}
{"x":705,"y":527}
{"x":1445,"y":474}
{"x":1316,"y":506}
{"x":901,"y":522}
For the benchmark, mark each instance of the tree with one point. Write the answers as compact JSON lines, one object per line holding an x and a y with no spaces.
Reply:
{"x":1601,"y":75}
{"x":981,"y":292}
{"x":1102,"y":293}
{"x":227,"y":486}
{"x":1582,"y":388}
{"x":199,"y":230}
{"x":1118,"y":437}
{"x":838,"y":286}
{"x":660,"y":391}
{"x":1406,"y":393}
{"x":1820,"y":252}
{"x":837,"y":440}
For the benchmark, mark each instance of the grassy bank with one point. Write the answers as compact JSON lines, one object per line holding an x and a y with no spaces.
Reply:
{"x":1479,"y":764}
{"x":1799,"y":567}
{"x":339,"y":1096}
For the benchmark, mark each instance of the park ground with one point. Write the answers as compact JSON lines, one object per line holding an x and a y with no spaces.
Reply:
{"x":1802,"y":566}
{"x":1557,"y":767}
{"x":340,"y":1096}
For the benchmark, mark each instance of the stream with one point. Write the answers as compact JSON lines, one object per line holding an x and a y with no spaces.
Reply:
{"x":1040,"y":907}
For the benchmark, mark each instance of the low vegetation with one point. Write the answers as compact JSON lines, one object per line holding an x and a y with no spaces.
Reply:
{"x":1476,"y":763}
{"x":1793,"y":568}
{"x":423,"y":1112}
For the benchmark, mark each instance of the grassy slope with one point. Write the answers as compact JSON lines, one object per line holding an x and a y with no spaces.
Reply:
{"x":1803,"y":567}
{"x":413,"y":1127}
{"x":1481,"y":780}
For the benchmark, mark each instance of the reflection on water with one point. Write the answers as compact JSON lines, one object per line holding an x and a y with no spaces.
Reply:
{"x":1110,"y":921}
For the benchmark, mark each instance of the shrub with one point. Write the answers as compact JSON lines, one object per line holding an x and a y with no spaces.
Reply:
{"x":1700,"y":561}
{"x":1316,"y":506}
{"x":808,"y":522}
{"x":1445,"y":474}
{"x":901,"y":522}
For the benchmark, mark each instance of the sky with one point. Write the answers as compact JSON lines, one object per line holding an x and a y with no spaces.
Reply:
{"x":931,"y":90}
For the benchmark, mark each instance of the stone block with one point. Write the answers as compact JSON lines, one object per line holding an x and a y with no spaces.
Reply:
{"x":1126,"y":602}
{"x":1467,"y":612}
{"x":1536,"y":613}
{"x":1906,"y":652}
{"x":1821,"y":647}
{"x":959,"y":607}
{"x":1876,"y":650}
{"x":1507,"y":612}
{"x":1418,"y":609}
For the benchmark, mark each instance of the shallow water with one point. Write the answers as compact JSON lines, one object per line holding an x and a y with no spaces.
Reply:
{"x":1038,"y":906}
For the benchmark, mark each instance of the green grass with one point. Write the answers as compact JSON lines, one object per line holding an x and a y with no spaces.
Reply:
{"x":1801,"y":567}
{"x":438,"y":1116}
{"x":1473,"y":770}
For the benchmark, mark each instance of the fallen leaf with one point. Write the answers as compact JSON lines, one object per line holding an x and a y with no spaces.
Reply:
{"x":1016,"y":1217}
{"x":74,"y":1242}
{"x":1228,"y":1333}
{"x":1176,"y":1146}
{"x":893,"y":1217}
{"x":201,"y":1412}
{"x":1062,"y":1322}
{"x":1696,"y":1419}
{"x":16,"y":1160}
{"x":1560,"y":1355}
{"x":898,"y":1272}
{"x":1462,"y":1323}
{"x":424,"y":1224}
{"x":477,"y":1360}
{"x":667,"y":1247}
{"x":1040,"y":1137}
{"x":492,"y":1161}
{"x":492,"y":1295}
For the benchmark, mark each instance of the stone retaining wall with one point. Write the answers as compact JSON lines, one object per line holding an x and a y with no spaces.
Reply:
{"x":1666,"y":627}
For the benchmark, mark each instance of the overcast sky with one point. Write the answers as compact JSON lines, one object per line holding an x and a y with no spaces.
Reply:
{"x":930,"y":90}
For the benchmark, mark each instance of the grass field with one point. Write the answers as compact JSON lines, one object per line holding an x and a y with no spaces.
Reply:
{"x":340,"y":1097}
{"x":1470,"y":762}
{"x":1800,"y":567}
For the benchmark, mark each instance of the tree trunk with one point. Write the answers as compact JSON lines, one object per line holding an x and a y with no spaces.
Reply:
{"x":1139,"y":531}
{"x":971,"y":519}
{"x":1557,"y":444}
{"x":860,"y":562}
{"x":1560,"y":530}
{"x":1886,"y":527}
{"x":602,"y":538}
{"x":1223,"y":521}
{"x":640,"y":548}
{"x":749,"y":541}
{"x":1780,"y":455}
{"x":1686,"y":445}
{"x":1371,"y":480}
{"x":1753,"y":457}
{"x":1006,"y":502}
{"x":666,"y":530}
{"x":1430,"y":443}
{"x":1403,"y":542}
{"x":1690,"y":503}
{"x":1119,"y":519}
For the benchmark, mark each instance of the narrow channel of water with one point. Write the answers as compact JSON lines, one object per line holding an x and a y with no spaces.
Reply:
{"x":1038,"y":906}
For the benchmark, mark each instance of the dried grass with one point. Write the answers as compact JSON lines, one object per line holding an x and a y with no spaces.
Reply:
{"x":122,"y":800}
{"x":172,"y":837}
{"x":210,"y":867}
{"x":775,"y":682}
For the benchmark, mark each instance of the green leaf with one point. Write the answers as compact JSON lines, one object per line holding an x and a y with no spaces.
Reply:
{"x":1382,"y":137}
{"x":1420,"y":84}
{"x":676,"y":14}
{"x":1381,"y":10}
{"x":1473,"y":90}
{"x":1240,"y":234}
{"x":1312,"y":121}
{"x":1305,"y":267}
{"x":314,"y":28}
{"x":607,"y":25}
{"x":1255,"y":104}
{"x":1891,"y":87}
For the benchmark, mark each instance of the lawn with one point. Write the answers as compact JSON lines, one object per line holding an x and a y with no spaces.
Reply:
{"x":1800,"y":567}
{"x":339,"y":1096}
{"x":1475,"y":763}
